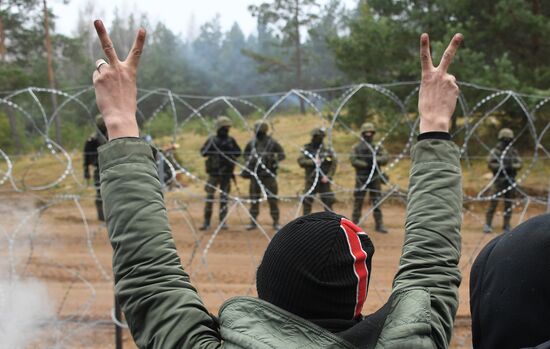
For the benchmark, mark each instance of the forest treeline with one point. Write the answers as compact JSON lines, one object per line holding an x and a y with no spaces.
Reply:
{"x":302,"y":44}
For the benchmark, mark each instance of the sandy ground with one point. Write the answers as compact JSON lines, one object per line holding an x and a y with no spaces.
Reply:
{"x":72,"y":258}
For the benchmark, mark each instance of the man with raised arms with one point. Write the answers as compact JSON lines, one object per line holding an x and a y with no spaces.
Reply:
{"x":314,"y":276}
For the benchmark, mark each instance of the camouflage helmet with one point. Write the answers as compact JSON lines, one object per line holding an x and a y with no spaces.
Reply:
{"x":506,"y":133}
{"x":318,"y":131}
{"x":368,"y":127}
{"x":261,"y":126}
{"x":222,"y":121}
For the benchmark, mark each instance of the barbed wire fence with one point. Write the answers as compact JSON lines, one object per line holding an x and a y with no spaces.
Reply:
{"x":42,"y":193}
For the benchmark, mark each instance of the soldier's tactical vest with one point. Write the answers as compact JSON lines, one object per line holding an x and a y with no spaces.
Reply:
{"x":325,"y":154}
{"x":507,"y":161}
{"x":263,"y":158}
{"x":221,"y":158}
{"x":365,"y":153}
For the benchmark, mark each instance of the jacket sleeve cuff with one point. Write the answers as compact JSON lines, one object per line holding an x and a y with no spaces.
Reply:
{"x":124,"y":150}
{"x":446,"y":136}
{"x":436,"y":150}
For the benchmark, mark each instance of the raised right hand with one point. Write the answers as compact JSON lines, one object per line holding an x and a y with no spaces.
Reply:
{"x":438,"y":89}
{"x":115,"y":85}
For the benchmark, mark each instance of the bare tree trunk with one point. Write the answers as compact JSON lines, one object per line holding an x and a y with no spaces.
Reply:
{"x":9,"y":112}
{"x":298,"y":48}
{"x":51,"y":75}
{"x":2,"y":40}
{"x":13,"y":129}
{"x":535,"y":40}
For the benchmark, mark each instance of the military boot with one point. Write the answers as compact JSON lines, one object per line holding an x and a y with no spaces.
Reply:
{"x":379,"y":228}
{"x":276,"y":226}
{"x":252,"y":226}
{"x":487,"y":229}
{"x":205,"y":226}
{"x":223,"y":220}
{"x":379,"y":224}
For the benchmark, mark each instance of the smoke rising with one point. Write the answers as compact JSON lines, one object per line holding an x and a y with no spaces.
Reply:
{"x":24,"y":307}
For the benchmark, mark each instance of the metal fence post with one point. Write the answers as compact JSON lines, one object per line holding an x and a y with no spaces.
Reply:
{"x":118,"y":329}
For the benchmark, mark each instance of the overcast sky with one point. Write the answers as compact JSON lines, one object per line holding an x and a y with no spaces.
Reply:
{"x":175,"y":14}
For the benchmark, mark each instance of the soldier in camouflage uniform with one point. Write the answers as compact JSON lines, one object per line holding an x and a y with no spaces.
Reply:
{"x":363,"y":160}
{"x":262,"y":155}
{"x":319,"y":163}
{"x":90,"y":157}
{"x":221,"y":152}
{"x":504,"y":170}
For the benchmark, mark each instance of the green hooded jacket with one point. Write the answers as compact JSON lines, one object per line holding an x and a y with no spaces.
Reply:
{"x":164,"y":310}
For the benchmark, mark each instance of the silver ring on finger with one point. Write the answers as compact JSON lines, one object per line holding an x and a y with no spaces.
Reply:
{"x":99,"y":63}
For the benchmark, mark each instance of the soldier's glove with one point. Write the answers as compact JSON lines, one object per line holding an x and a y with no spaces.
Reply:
{"x":317,"y":161}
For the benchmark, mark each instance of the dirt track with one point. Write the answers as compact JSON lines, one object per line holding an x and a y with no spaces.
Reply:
{"x":75,"y":264}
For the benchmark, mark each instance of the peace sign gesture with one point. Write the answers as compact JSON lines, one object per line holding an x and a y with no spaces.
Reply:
{"x":438,"y":89}
{"x":115,"y":85}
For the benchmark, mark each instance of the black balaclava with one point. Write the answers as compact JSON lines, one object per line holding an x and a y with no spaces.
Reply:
{"x":223,"y":132}
{"x":368,"y":136}
{"x":317,"y":140}
{"x":260,"y":135}
{"x":317,"y":267}
{"x":503,"y":143}
{"x":510,"y":288}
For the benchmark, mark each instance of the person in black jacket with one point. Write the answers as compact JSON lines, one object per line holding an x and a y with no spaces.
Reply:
{"x":509,"y":288}
{"x":90,"y":158}
{"x":221,"y":152}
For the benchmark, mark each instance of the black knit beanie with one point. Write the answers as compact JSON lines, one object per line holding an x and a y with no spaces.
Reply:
{"x":317,"y":267}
